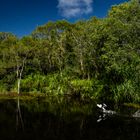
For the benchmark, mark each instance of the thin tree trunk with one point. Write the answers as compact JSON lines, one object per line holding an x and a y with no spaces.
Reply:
{"x":19,"y":81}
{"x":82,"y":65}
{"x":88,"y":75}
{"x":19,"y":74}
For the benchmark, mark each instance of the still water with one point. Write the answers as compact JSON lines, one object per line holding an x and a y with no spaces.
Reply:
{"x":40,"y":119}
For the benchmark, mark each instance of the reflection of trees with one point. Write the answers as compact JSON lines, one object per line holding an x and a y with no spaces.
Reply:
{"x":19,"y":120}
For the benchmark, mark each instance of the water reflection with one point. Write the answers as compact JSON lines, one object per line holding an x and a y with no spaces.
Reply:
{"x":19,"y":120}
{"x":64,"y":121}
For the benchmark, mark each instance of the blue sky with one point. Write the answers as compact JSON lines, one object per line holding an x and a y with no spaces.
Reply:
{"x":21,"y":17}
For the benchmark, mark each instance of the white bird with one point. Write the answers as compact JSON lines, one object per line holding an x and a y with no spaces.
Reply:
{"x":103,"y":106}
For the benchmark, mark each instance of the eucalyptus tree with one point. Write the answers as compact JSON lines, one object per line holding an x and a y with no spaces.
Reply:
{"x":84,"y":47}
{"x":119,"y":52}
{"x":7,"y":64}
{"x":123,"y":27}
{"x":23,"y":53}
{"x":52,"y":38}
{"x":15,"y":54}
{"x":77,"y":39}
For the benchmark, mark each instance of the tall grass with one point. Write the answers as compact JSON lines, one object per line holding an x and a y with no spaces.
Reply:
{"x":126,"y":92}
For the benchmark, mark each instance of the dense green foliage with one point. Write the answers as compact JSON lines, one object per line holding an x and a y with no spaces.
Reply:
{"x":96,"y":58}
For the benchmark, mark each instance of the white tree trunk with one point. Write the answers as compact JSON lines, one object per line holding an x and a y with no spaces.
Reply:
{"x":19,"y":75}
{"x":18,"y":85}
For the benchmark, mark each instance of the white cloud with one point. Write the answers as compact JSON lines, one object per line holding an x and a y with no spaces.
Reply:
{"x":74,"y":8}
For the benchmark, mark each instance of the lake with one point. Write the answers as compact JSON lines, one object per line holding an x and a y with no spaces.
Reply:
{"x":41,"y":119}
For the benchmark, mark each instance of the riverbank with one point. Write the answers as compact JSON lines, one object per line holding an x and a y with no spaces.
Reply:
{"x":61,"y":98}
